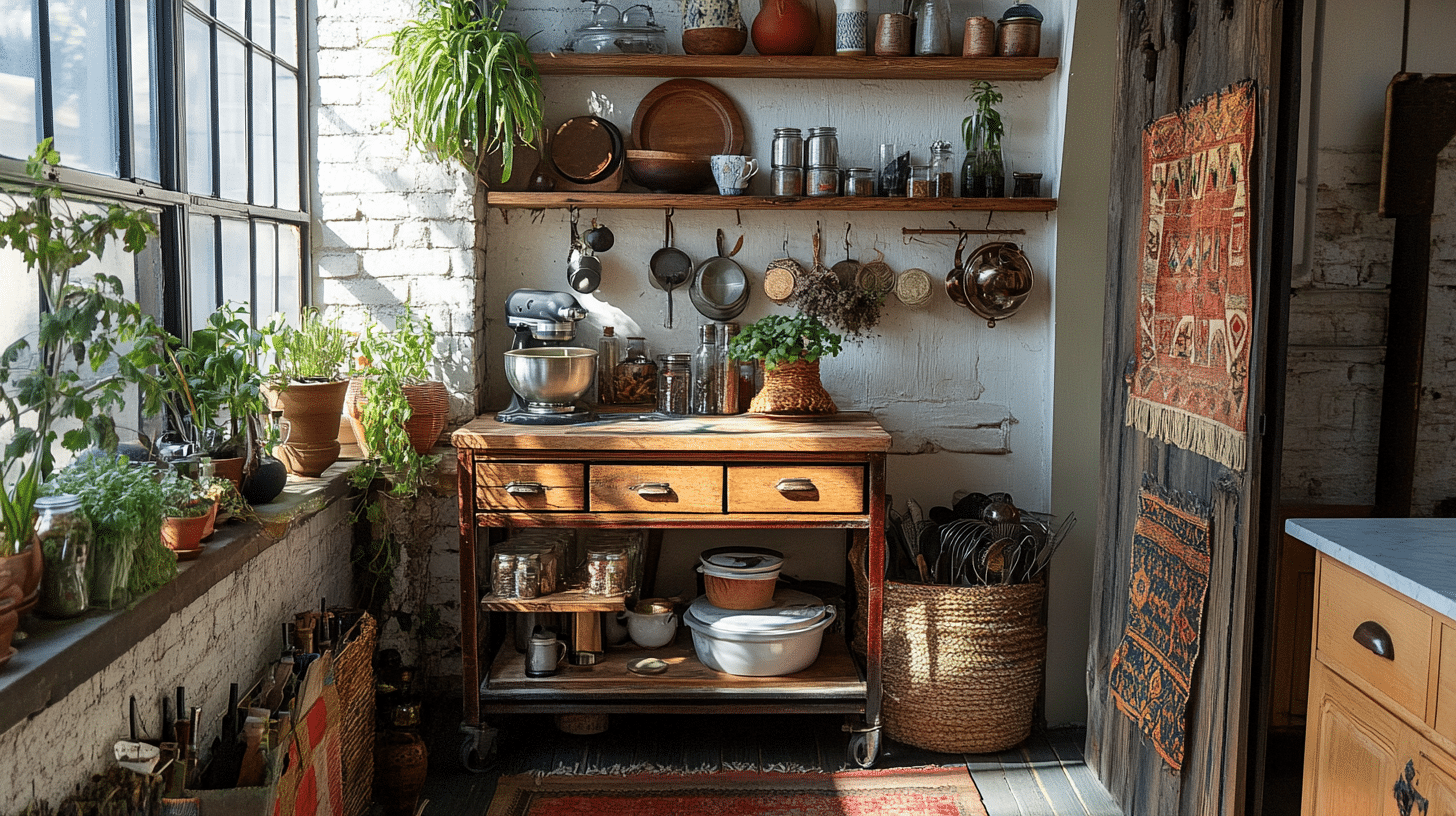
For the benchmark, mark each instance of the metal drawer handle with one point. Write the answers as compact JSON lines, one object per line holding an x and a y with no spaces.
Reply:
{"x":525,"y":488}
{"x":652,"y":489}
{"x":796,"y":484}
{"x":1373,"y":636}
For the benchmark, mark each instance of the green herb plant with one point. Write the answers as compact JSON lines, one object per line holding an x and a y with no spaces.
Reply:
{"x":93,"y":344}
{"x":389,"y":361}
{"x":317,"y":350}
{"x":984,"y":173}
{"x":184,"y":498}
{"x":215,"y":382}
{"x":460,"y":87}
{"x":779,"y":339}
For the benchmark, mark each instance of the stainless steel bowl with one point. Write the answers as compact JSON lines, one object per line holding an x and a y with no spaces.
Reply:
{"x":551,"y":376}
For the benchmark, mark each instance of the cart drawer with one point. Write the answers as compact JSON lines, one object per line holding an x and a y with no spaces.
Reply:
{"x":530,"y":486}
{"x":796,"y":489}
{"x":656,"y":489}
{"x":1351,"y":606}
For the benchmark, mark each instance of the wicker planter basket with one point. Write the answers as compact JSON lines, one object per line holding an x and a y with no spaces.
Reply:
{"x":792,"y":388}
{"x":962,"y":665}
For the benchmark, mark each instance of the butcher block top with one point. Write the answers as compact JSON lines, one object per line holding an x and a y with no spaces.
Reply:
{"x":844,"y":432}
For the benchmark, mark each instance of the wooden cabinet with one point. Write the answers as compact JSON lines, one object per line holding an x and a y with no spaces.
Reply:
{"x":1352,"y":751}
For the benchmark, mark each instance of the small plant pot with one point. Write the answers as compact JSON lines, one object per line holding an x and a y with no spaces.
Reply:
{"x":9,"y":618}
{"x":230,"y":469}
{"x":25,"y":569}
{"x":186,"y":534}
{"x":792,"y":388}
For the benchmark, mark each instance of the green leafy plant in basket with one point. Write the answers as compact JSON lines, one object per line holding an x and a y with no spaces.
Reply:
{"x":789,"y":348}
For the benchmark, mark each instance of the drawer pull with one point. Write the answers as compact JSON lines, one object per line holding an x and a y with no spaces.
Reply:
{"x":796,"y":484}
{"x":652,"y":489}
{"x":1373,"y":636}
{"x":525,"y":488}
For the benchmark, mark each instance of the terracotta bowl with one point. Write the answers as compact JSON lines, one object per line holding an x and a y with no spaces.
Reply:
{"x":740,"y":593}
{"x":664,"y":172}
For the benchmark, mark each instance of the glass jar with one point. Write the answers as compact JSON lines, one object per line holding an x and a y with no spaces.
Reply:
{"x":609,"y":353}
{"x":932,"y":27}
{"x":635,"y":380}
{"x":859,"y":181}
{"x":705,"y":371}
{"x":920,"y":184}
{"x":503,"y":575}
{"x":64,"y":533}
{"x":727,"y":371}
{"x":747,"y":384}
{"x":606,"y":573}
{"x":528,"y":575}
{"x":675,"y":384}
{"x":942,"y":170}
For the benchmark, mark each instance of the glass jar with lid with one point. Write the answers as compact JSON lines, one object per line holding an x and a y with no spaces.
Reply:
{"x":528,"y":575}
{"x":635,"y":380}
{"x":64,"y":533}
{"x":606,"y":572}
{"x":859,"y":181}
{"x":942,"y":170}
{"x":920,"y":185}
{"x":674,"y":386}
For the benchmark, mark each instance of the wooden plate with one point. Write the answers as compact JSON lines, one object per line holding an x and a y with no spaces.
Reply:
{"x":688,"y":116}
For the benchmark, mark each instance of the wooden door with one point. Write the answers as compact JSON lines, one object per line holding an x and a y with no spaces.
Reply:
{"x":1170,"y":54}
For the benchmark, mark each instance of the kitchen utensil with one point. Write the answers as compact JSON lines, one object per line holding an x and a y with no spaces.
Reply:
{"x":544,"y":654}
{"x":781,"y":277}
{"x":587,"y":149}
{"x":955,"y":285}
{"x":583,"y":269}
{"x":997,"y":279}
{"x":651,"y":630}
{"x":551,"y":376}
{"x":688,"y":116}
{"x":846,"y":270}
{"x":876,"y":278}
{"x":599,"y":237}
{"x":663,"y":171}
{"x":781,"y":639}
{"x":913,"y":286}
{"x":720,"y":289}
{"x":541,"y":319}
{"x":670,"y":266}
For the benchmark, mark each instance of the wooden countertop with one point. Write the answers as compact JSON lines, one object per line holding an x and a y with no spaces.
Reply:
{"x":844,"y":432}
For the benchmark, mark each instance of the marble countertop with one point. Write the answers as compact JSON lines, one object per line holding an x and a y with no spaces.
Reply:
{"x":1415,"y":557}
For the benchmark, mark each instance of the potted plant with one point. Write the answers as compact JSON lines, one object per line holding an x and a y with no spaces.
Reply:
{"x":93,"y":347}
{"x":188,"y":514}
{"x":789,"y":348}
{"x":307,"y":384}
{"x":983,"y":172}
{"x":393,"y":404}
{"x":124,"y":502}
{"x":464,"y":89}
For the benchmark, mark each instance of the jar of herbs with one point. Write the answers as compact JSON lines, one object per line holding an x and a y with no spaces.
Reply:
{"x":65,"y":541}
{"x":635,"y":380}
{"x":606,"y":573}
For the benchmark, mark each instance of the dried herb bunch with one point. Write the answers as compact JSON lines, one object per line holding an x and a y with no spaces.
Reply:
{"x":820,"y":293}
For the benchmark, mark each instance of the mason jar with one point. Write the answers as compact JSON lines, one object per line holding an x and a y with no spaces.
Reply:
{"x":64,"y":533}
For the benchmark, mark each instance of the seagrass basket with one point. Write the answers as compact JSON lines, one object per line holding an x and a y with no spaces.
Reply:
{"x":962,"y":665}
{"x":792,"y":388}
{"x":354,"y":681}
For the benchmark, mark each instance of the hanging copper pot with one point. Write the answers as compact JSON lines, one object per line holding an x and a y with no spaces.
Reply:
{"x":994,"y":281}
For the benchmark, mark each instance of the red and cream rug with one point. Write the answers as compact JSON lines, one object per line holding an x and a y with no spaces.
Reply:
{"x":888,"y":792}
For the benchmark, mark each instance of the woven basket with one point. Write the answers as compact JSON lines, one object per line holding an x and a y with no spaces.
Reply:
{"x":429,"y":408}
{"x":792,"y":388}
{"x":354,"y":679}
{"x":962,"y":665}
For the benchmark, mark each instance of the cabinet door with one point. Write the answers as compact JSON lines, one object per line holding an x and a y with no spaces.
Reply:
{"x":1353,"y":752}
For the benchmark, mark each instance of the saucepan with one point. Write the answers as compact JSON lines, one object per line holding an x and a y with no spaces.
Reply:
{"x":670,"y":266}
{"x":720,"y":286}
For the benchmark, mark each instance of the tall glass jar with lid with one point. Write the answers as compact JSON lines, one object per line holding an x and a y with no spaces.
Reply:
{"x":635,"y":380}
{"x":65,"y":540}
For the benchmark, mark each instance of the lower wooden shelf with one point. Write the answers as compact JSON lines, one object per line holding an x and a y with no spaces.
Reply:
{"x":710,"y":201}
{"x":571,"y":600}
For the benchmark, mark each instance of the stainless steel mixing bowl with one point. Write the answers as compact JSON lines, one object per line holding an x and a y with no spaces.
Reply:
{"x":551,"y":376}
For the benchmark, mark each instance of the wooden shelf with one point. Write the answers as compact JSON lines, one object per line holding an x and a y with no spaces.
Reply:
{"x":571,"y":600}
{"x":657,"y":201}
{"x":1010,"y":69}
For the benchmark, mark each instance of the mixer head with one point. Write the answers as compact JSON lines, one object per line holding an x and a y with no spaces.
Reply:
{"x":540,"y":317}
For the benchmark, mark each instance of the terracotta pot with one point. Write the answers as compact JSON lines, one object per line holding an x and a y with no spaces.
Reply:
{"x":230,"y":469}
{"x":25,"y":570}
{"x":187,"y":533}
{"x":429,"y":407}
{"x":310,"y":425}
{"x":793,"y":388}
{"x":400,"y":762}
{"x":785,"y":27}
{"x":9,"y":617}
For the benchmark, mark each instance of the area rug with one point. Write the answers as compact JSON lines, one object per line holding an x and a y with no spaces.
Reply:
{"x":889,"y":792}
{"x":1190,"y":386}
{"x":1152,"y":669}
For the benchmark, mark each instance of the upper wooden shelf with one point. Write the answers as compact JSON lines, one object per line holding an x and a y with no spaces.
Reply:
{"x":1010,"y":69}
{"x":656,"y":201}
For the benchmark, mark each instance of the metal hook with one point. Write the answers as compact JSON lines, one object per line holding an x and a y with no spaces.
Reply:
{"x":847,"y":227}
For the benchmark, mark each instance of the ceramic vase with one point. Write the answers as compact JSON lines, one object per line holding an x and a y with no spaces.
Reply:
{"x":713,"y":27}
{"x":785,"y":27}
{"x":851,"y":21}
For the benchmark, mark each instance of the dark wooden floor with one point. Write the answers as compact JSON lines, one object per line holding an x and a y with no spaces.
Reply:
{"x":1043,"y":777}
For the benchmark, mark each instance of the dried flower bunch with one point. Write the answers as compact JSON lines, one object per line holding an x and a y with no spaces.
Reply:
{"x":820,"y":293}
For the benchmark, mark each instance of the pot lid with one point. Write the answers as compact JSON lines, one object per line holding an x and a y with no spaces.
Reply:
{"x":744,"y":562}
{"x":791,"y":611}
{"x":1021,"y":11}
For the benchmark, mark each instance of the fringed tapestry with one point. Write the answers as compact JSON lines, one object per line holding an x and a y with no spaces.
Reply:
{"x":1152,"y":669}
{"x":1191,"y":383}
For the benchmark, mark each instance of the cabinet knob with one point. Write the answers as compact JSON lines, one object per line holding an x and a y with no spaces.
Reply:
{"x":525,"y":488}
{"x":796,"y":484}
{"x":652,"y":489}
{"x":1408,"y":800}
{"x":1373,"y":636}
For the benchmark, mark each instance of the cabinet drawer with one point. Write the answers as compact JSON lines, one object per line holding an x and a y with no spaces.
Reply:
{"x":1446,"y":685}
{"x":529,"y":486}
{"x":796,"y":489}
{"x":1346,"y":601}
{"x":656,"y":489}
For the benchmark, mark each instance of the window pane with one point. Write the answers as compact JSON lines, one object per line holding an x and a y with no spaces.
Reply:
{"x":285,"y":43}
{"x":287,"y":158}
{"x":263,"y":169}
{"x":83,"y":80}
{"x":237,"y":262}
{"x":202,"y":277}
{"x":19,"y":66}
{"x":197,"y":64}
{"x":145,"y":145}
{"x":232,"y":118}
{"x":232,"y":12}
{"x":261,"y":30}
{"x":265,"y":257}
{"x":290,"y":261}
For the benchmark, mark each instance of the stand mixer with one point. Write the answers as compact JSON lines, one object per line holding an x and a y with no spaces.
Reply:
{"x":546,"y":320}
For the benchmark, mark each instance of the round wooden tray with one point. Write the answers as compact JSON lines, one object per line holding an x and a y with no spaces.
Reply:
{"x":688,"y":116}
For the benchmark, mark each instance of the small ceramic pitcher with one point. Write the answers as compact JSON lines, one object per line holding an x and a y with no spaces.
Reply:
{"x":544,"y":654}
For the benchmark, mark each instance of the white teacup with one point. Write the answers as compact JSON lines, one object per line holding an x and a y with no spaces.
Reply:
{"x":732,"y":173}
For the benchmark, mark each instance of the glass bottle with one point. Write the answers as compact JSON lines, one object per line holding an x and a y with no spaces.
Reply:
{"x":705,"y":371}
{"x":932,"y":27}
{"x":609,"y":353}
{"x":983,"y":172}
{"x":727,"y":370}
{"x":942,"y":170}
{"x":635,"y":379}
{"x":64,"y":533}
{"x":747,"y":384}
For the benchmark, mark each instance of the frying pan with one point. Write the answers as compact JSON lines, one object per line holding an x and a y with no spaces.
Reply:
{"x":670,"y":266}
{"x":720,"y":286}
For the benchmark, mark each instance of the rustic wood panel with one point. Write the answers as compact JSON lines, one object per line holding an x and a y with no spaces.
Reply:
{"x":841,"y":433}
{"x":838,"y":489}
{"x":629,"y":489}
{"x":571,"y":600}
{"x":1171,"y":53}
{"x":682,"y":521}
{"x":1010,"y":69}
{"x":711,"y":201}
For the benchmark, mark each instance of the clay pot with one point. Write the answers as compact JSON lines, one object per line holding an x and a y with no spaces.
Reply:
{"x":230,"y":469}
{"x":187,"y":533}
{"x":792,"y":388}
{"x":9,"y":617}
{"x":785,"y":27}
{"x":725,"y":41}
{"x":310,"y":424}
{"x":400,"y":762}
{"x":25,"y":570}
{"x":429,"y":407}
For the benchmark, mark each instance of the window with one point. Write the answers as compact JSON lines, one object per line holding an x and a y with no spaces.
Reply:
{"x":190,"y":107}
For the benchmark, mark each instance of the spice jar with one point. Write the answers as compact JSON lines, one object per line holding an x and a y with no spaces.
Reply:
{"x":1018,"y":32}
{"x":528,"y":575}
{"x":823,"y":147}
{"x":788,"y":148}
{"x":674,"y":385}
{"x":503,"y":575}
{"x":786,"y":181}
{"x":64,"y":533}
{"x":705,"y":371}
{"x":920,"y":185}
{"x":609,"y":353}
{"x":606,"y":573}
{"x":942,"y":170}
{"x":823,"y":181}
{"x":635,"y":381}
{"x":859,"y":181}
{"x":727,"y":371}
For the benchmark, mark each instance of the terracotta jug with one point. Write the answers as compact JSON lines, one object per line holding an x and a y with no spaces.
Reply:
{"x":401,"y":761}
{"x":785,"y":27}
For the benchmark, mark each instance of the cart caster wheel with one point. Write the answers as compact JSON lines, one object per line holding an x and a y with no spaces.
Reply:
{"x":478,"y":750}
{"x":864,"y":748}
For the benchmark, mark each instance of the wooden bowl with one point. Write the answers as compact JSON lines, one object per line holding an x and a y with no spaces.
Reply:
{"x":664,"y":172}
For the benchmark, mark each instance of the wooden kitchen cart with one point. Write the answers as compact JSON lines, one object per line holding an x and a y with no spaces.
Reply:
{"x":743,"y":471}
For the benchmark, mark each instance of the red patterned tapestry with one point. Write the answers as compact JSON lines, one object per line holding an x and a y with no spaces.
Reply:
{"x":1191,"y":383}
{"x":1152,"y":669}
